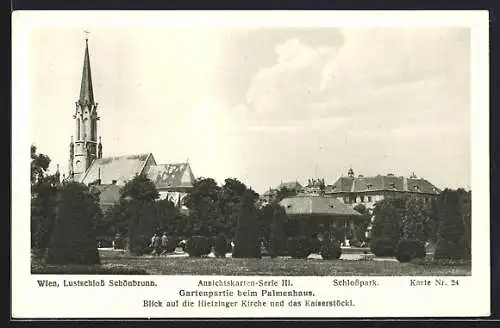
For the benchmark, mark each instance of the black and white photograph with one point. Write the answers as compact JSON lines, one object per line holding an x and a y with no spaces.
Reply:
{"x":250,"y":150}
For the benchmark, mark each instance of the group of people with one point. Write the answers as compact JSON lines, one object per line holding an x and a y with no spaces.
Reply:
{"x":159,"y":244}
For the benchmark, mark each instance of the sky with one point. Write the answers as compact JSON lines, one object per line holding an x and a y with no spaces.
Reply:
{"x":264,"y":105}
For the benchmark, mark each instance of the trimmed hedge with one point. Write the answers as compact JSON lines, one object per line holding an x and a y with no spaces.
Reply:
{"x":316,"y":246}
{"x":198,"y":246}
{"x":330,"y":249}
{"x":88,"y":269}
{"x":119,"y":242}
{"x":408,"y":250}
{"x":140,"y":245}
{"x":299,"y":247}
{"x":73,"y":239}
{"x":221,"y":245}
{"x":172,"y":243}
{"x":383,"y":247}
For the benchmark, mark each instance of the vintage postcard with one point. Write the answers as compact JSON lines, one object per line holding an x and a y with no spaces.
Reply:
{"x":250,"y":164}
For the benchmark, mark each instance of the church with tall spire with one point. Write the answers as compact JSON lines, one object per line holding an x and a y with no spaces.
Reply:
{"x":85,"y":145}
{"x":109,"y":174}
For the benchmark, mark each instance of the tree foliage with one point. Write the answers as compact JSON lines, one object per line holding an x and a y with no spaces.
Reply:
{"x":361,"y":224}
{"x":247,"y":239}
{"x":277,"y":237}
{"x":39,"y":165}
{"x":140,"y":189}
{"x":387,"y":222}
{"x":203,"y":204}
{"x":73,"y":239}
{"x":44,"y":191}
{"x":138,"y":206}
{"x":283,"y":193}
{"x":453,"y":238}
{"x":413,"y":225}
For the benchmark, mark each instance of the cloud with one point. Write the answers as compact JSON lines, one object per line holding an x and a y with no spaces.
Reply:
{"x":375,"y":73}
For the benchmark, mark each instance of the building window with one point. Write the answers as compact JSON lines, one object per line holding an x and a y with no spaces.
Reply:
{"x":78,"y":135}
{"x":362,"y":198}
{"x":369,"y":199}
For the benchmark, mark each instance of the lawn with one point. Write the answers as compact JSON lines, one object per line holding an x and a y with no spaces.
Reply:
{"x":117,"y":262}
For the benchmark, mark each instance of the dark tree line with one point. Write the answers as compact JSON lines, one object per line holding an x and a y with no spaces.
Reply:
{"x":444,"y":221}
{"x":64,"y":216}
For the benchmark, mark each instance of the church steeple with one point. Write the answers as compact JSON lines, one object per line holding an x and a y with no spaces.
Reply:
{"x":86,"y":90}
{"x":85,"y":149}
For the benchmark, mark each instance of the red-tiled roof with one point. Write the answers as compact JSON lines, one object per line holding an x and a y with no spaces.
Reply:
{"x":382,"y":182}
{"x":171,"y":176}
{"x":317,"y":205}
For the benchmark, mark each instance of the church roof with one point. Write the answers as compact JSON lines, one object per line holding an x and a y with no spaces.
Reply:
{"x":109,"y":195}
{"x":86,"y":90}
{"x":317,"y":205}
{"x":120,"y":168}
{"x":174,"y":176}
{"x":382,"y":183}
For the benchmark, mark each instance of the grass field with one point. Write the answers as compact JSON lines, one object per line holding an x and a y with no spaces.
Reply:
{"x":116,"y":262}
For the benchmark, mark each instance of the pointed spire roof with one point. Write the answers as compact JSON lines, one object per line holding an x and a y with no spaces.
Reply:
{"x":86,"y":90}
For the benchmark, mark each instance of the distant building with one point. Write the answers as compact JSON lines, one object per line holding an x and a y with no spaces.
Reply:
{"x":314,"y":187}
{"x":110,"y":174}
{"x":368,"y":190}
{"x":173,"y":181}
{"x":270,"y":195}
{"x":312,"y":214}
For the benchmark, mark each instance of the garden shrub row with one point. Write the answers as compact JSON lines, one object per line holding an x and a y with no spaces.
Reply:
{"x":302,"y":247}
{"x":198,"y":246}
{"x":407,"y":250}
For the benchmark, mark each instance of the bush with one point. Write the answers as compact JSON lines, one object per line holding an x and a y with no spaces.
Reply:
{"x":104,"y":242}
{"x":299,"y":247}
{"x":172,"y":243}
{"x":247,"y":239}
{"x":330,"y":249}
{"x":221,"y":245}
{"x":408,"y":250}
{"x":88,"y":269}
{"x":140,"y":245}
{"x":315,"y":246}
{"x":119,"y":242}
{"x":453,"y":238}
{"x":383,"y":247}
{"x":198,"y":246}
{"x":277,"y":237}
{"x":73,"y":239}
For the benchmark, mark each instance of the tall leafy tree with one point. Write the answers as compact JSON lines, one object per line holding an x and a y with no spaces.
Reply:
{"x":73,"y":239}
{"x":413,"y":225}
{"x":277,"y":236}
{"x":203,"y":205}
{"x":453,"y":241}
{"x":229,"y":200}
{"x":44,"y":191}
{"x":387,"y":221}
{"x":361,"y":224}
{"x":247,"y":238}
{"x":138,"y":196}
{"x":140,"y":189}
{"x":284,"y":192}
{"x":386,"y":228}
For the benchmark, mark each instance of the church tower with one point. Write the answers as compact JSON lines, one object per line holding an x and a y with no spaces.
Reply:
{"x":84,"y":147}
